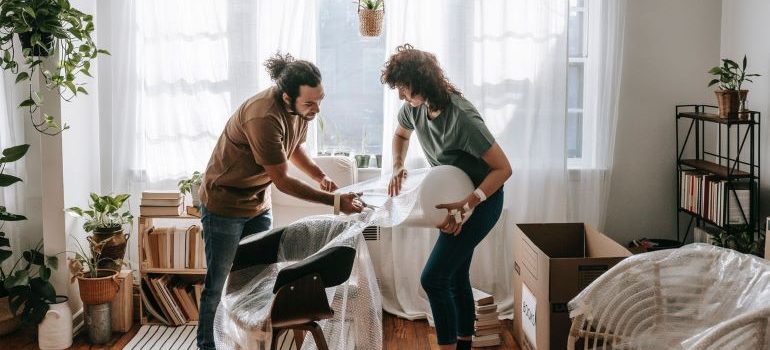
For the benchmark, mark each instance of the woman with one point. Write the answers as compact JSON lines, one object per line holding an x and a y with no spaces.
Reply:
{"x":451,"y":132}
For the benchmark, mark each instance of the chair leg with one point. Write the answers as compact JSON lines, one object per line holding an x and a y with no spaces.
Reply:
{"x":318,"y":336}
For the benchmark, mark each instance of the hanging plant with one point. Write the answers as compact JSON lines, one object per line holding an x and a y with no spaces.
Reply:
{"x":370,"y":15}
{"x":46,"y":28}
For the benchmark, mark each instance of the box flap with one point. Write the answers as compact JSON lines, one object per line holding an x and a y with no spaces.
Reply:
{"x":598,"y":245}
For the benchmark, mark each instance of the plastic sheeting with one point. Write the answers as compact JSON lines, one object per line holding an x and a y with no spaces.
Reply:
{"x":242,"y":320}
{"x":696,"y":297}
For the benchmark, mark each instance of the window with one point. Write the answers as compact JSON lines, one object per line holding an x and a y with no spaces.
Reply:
{"x":351,"y":113}
{"x":578,"y":56}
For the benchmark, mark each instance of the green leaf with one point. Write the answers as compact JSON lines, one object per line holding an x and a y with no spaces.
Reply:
{"x":52,"y":262}
{"x":20,"y":278}
{"x":37,"y":98}
{"x":21,"y":76}
{"x":27,"y":103}
{"x":4,"y":242}
{"x":28,"y":10}
{"x":7,"y":56}
{"x":12,"y":154}
{"x":5,"y":254}
{"x":75,"y":211}
{"x":6,"y":216}
{"x":7,"y":180}
{"x":82,"y":90}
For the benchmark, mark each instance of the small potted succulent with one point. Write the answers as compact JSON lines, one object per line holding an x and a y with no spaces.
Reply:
{"x":730,"y":77}
{"x":370,"y":15}
{"x":105,"y":219}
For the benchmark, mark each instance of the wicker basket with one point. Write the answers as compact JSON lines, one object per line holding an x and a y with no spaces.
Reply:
{"x":370,"y":21}
{"x":99,"y":290}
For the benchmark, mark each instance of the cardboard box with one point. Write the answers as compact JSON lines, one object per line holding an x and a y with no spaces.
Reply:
{"x":122,"y":308}
{"x":553,"y":263}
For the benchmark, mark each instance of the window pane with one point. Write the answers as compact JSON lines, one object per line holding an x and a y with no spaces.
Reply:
{"x":350,"y":65}
{"x":575,"y":85}
{"x":575,"y":134}
{"x":576,"y":19}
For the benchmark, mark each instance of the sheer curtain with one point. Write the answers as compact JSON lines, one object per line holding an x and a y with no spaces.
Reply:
{"x":178,"y":70}
{"x":590,"y":186}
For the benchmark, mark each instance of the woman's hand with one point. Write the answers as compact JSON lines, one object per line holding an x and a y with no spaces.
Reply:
{"x":394,"y":187}
{"x":327,"y":184}
{"x":453,"y":223}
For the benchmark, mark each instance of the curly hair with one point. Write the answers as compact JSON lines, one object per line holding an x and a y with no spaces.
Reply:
{"x":289,"y":74}
{"x":421,"y":72}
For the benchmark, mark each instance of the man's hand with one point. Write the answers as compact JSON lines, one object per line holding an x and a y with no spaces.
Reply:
{"x":327,"y":184}
{"x":394,"y":187}
{"x":349,"y":203}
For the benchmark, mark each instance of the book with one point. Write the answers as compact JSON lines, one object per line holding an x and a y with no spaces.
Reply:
{"x":174,"y":202}
{"x":486,"y":308}
{"x":488,"y":331}
{"x":486,"y":340}
{"x":482,"y":298}
{"x":150,"y":303}
{"x":161,"y":194}
{"x":161,"y":211}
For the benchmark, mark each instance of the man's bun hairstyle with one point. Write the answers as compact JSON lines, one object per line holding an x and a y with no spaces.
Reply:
{"x":289,"y":74}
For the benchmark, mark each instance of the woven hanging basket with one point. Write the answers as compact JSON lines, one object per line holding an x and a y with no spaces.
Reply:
{"x":370,"y":21}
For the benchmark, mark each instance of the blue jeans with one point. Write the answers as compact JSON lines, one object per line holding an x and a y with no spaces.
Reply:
{"x":446,"y":279}
{"x":221,"y":236}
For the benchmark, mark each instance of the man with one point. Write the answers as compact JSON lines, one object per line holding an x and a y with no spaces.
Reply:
{"x":252,"y":152}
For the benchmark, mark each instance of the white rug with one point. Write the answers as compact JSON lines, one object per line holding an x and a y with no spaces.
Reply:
{"x":159,"y":337}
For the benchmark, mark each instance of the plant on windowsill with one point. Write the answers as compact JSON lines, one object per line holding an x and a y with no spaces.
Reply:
{"x":45,"y":28}
{"x":25,"y":288}
{"x":370,"y":15}
{"x":105,"y":219}
{"x":730,"y":97}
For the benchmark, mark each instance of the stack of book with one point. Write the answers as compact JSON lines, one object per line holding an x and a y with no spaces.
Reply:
{"x":171,"y":248}
{"x":487,"y":327}
{"x":707,"y":195}
{"x":171,"y":300}
{"x":161,"y":203}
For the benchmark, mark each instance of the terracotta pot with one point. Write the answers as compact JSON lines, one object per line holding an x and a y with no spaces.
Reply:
{"x":729,"y":102}
{"x":98,"y":290}
{"x":8,"y":323}
{"x":114,"y":248}
{"x":370,"y":22}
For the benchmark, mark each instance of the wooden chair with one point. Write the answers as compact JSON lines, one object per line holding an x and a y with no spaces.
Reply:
{"x":299,"y":300}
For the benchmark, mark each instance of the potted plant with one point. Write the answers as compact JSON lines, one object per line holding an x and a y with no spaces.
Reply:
{"x":730,"y":97}
{"x":47,"y":28}
{"x":370,"y":15}
{"x":25,"y":287}
{"x":191,"y":186}
{"x":105,"y":219}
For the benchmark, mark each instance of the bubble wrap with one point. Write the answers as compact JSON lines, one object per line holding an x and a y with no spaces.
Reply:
{"x":696,"y":297}
{"x":242,"y":320}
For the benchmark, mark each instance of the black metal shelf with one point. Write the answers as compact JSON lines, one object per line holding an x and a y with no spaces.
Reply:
{"x":733,"y":157}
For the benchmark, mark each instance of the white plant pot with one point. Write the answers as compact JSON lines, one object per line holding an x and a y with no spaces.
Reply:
{"x":196,"y":199}
{"x":55,"y":332}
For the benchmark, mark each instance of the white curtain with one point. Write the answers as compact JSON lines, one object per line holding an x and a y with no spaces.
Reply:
{"x":14,"y":197}
{"x":510,"y":60}
{"x":178,"y":70}
{"x":590,"y":185}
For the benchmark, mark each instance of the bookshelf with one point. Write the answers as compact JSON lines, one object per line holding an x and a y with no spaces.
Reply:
{"x":717,"y":170}
{"x":146,"y":270}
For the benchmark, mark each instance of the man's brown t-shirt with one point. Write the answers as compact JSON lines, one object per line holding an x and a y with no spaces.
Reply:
{"x":261,"y":132}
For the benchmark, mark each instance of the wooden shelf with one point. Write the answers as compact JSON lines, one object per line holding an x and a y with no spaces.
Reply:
{"x":714,"y":168}
{"x":169,"y":217}
{"x":715,"y":118}
{"x":175,"y":271}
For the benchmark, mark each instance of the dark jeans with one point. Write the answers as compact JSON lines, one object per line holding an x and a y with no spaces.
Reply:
{"x":221,"y":235}
{"x":446,"y":279}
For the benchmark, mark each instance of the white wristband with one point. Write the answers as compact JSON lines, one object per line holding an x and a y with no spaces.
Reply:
{"x":479,"y":193}
{"x":336,"y":203}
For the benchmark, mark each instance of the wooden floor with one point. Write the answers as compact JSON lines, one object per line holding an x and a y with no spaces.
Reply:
{"x":399,"y":334}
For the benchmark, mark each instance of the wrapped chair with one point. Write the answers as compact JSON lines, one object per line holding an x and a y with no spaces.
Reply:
{"x":299,"y":296}
{"x":696,"y":297}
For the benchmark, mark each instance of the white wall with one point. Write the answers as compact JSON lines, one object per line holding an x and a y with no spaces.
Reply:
{"x":745,"y":29}
{"x":669,"y":46}
{"x":80,"y":146}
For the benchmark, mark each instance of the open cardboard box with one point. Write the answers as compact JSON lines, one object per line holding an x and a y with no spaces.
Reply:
{"x":553,"y":263}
